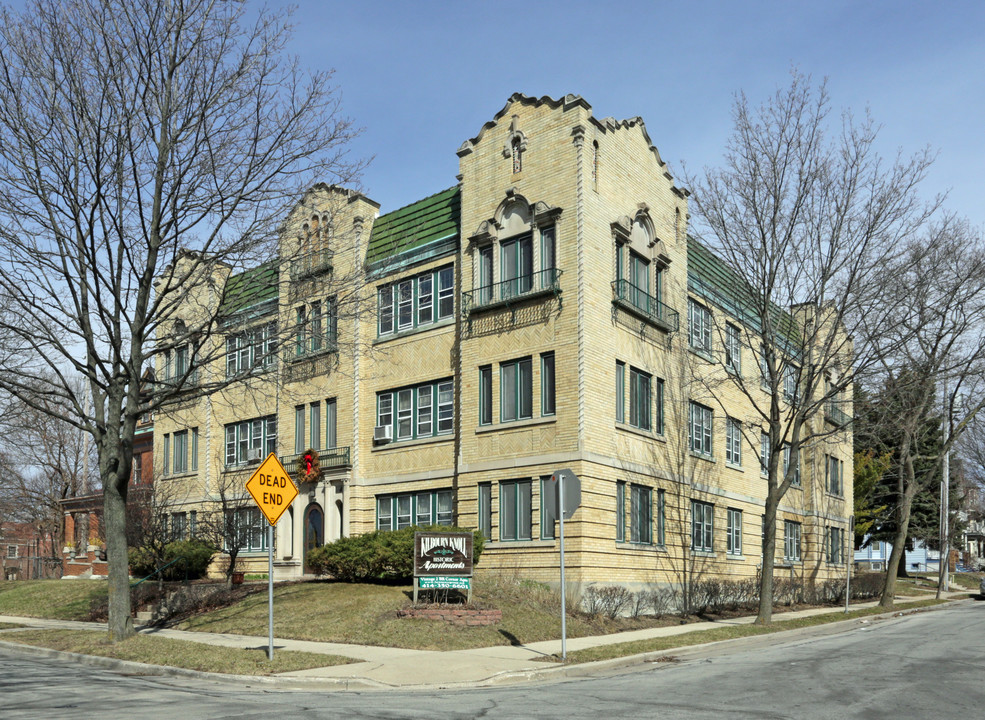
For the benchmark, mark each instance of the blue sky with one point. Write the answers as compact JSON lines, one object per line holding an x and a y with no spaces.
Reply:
{"x":422,"y":77}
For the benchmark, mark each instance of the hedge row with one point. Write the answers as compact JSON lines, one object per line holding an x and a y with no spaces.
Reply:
{"x":378,"y":555}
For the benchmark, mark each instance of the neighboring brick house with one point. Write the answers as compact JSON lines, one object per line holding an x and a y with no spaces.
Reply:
{"x":83,"y":551}
{"x":27,"y":553}
{"x":547,"y":312}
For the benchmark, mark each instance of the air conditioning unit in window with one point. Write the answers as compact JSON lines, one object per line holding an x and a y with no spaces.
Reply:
{"x":253,"y":454}
{"x":383,"y":433}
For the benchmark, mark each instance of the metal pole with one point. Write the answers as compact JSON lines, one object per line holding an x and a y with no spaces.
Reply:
{"x":270,"y":593}
{"x":945,"y":550}
{"x":849,"y":561}
{"x":564,"y":607}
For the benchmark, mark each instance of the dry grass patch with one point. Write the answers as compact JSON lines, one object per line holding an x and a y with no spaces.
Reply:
{"x":176,"y":653}
{"x":9,"y":626}
{"x":55,"y":599}
{"x":727,"y":632}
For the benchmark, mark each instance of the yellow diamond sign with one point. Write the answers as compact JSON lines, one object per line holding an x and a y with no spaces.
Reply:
{"x":272,"y":488}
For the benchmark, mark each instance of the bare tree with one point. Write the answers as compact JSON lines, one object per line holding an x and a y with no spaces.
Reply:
{"x":147,"y":149}
{"x":934,"y":354}
{"x":804,"y":219}
{"x":50,"y":460}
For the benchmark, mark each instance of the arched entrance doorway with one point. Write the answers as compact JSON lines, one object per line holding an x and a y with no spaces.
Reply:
{"x":314,"y":530}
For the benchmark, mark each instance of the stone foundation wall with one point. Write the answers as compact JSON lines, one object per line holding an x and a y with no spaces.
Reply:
{"x":453,"y":615}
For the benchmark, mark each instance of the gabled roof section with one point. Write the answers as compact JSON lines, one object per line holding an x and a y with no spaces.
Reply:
{"x":711,"y":278}
{"x":413,"y":231}
{"x":249,"y":289}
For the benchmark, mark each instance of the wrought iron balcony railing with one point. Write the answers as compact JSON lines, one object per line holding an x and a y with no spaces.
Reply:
{"x":311,"y":263}
{"x":512,"y":290}
{"x":633,"y":299}
{"x":834,"y":414}
{"x":333,"y":458}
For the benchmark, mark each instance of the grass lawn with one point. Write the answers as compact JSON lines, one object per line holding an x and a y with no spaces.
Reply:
{"x":55,"y":599}
{"x":728,"y":632}
{"x":367,"y":615}
{"x":968,"y":581}
{"x":175,"y":653}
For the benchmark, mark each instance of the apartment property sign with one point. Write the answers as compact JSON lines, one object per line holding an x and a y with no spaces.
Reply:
{"x":272,"y":488}
{"x":442,"y":560}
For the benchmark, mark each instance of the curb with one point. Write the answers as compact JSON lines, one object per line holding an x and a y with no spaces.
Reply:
{"x":555,"y":672}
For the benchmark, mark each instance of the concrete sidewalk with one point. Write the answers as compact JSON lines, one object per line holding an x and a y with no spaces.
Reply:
{"x":382,"y":667}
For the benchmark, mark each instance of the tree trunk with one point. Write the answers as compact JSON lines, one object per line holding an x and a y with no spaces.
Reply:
{"x":765,"y":615}
{"x":114,"y":517}
{"x":899,"y":542}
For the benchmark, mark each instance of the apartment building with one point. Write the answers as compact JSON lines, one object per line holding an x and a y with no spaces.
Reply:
{"x":442,"y":360}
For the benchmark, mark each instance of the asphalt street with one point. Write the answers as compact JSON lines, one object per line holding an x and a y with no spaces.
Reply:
{"x":922,"y":665}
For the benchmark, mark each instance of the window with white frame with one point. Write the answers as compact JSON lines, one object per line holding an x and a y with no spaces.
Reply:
{"x":250,"y":529}
{"x":702,"y":526}
{"x":764,"y":453}
{"x":416,"y":301}
{"x":835,"y":541}
{"x":515,"y":503}
{"x":733,"y":348}
{"x":11,"y":551}
{"x":733,"y":442}
{"x":786,"y":466}
{"x":834,"y":469}
{"x":699,"y":326}
{"x":252,"y":349}
{"x":791,"y":541}
{"x":399,"y":511}
{"x":733,"y":532}
{"x":700,"y":426}
{"x":789,"y":383}
{"x":250,"y":440}
{"x":516,"y":390}
{"x":417,"y":412}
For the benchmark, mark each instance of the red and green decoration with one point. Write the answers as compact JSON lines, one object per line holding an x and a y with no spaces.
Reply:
{"x":309,"y":470}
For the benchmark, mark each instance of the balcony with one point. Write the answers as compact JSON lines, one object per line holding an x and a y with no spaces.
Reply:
{"x":309,"y":264}
{"x":836,"y":416}
{"x":509,"y":292}
{"x":646,"y":307}
{"x":332,"y":459}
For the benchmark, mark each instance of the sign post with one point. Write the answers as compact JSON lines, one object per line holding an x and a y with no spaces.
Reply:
{"x":273,"y":491}
{"x":567,"y":498}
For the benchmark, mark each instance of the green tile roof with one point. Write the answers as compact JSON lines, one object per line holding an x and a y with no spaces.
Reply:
{"x":417,"y":225}
{"x":249,"y":289}
{"x":711,"y":278}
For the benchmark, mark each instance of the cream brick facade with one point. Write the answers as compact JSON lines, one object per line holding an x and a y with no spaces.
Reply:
{"x":563,"y":246}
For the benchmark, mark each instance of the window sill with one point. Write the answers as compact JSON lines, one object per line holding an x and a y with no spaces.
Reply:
{"x":733,"y":466}
{"x":444,"y":322}
{"x":733,"y":556}
{"x":704,"y":554}
{"x":182,"y":474}
{"x":494,"y":544}
{"x":836,"y":496}
{"x":640,"y":547}
{"x":394,"y":444}
{"x":699,"y":456}
{"x":512,"y":424}
{"x":313,"y":354}
{"x":649,"y":434}
{"x":701,"y":353}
